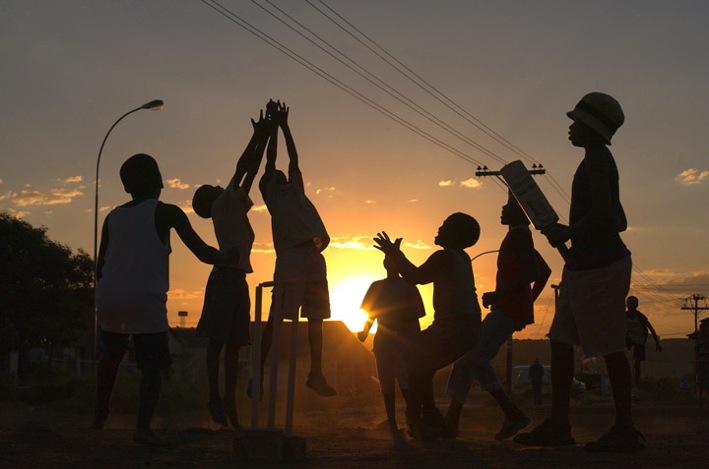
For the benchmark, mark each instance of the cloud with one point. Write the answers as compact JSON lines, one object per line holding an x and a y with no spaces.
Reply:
{"x":328,"y":190}
{"x":72,"y":179}
{"x":471,"y":183}
{"x":1,"y":181}
{"x":28,"y":198}
{"x":259,"y":208}
{"x":176,"y":184}
{"x":263,"y":248}
{"x":417,"y":245}
{"x":412,"y":201}
{"x":692,"y":177}
{"x":14,"y":213}
{"x":370,"y":202}
{"x":363,"y":243}
{"x":186,"y":206}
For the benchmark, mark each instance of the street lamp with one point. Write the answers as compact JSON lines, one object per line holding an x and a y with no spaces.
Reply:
{"x":155,"y":104}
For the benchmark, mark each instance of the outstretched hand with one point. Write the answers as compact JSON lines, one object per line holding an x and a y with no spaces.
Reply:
{"x":385,"y":244}
{"x":362,"y":335}
{"x":280,"y":114}
{"x":261,"y":125}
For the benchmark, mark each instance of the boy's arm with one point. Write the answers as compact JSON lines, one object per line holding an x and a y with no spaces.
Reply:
{"x":250,"y":160}
{"x":294,"y":174}
{"x":601,"y":202}
{"x":271,"y":153}
{"x":655,"y":337}
{"x":544,"y":274}
{"x":101,"y":259}
{"x":177,"y":219}
{"x":423,"y":274}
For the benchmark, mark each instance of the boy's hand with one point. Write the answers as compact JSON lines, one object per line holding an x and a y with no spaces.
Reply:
{"x":557,"y":234}
{"x":362,"y":335}
{"x":261,"y":125}
{"x":271,"y":108}
{"x":279,"y":115}
{"x":384,"y":243}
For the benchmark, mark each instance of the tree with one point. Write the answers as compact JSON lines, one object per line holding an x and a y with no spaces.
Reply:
{"x":46,"y":291}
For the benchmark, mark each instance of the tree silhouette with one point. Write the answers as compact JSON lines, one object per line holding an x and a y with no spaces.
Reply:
{"x":46,"y":291}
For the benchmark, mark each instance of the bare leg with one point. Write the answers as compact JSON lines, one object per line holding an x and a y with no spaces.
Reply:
{"x":231,"y":369}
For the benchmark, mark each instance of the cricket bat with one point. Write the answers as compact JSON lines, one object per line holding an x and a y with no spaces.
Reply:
{"x":531,"y":199}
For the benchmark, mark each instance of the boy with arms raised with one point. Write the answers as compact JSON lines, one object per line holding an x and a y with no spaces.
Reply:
{"x":456,"y":320}
{"x":226,"y":313}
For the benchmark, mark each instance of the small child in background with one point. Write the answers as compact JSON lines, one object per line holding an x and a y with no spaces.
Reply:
{"x":396,"y":306}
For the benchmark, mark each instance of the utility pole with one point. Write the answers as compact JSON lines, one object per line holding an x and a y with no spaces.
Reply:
{"x":696,"y":308}
{"x":482,"y":172}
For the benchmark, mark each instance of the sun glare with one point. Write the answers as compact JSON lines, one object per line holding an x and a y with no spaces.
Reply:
{"x":345,"y":299}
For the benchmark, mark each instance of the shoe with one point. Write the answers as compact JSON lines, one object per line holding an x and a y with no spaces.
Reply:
{"x":249,"y":391}
{"x":216,"y":411}
{"x":547,"y":434}
{"x":618,"y":440}
{"x":100,"y":417}
{"x":512,"y":425}
{"x":148,"y":438}
{"x":449,"y":432}
{"x":320,"y":386}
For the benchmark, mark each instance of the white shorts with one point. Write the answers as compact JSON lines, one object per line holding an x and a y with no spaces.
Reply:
{"x":301,"y":284}
{"x":590,"y":309}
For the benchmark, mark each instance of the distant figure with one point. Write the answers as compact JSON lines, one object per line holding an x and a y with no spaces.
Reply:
{"x":521,"y":277}
{"x":590,"y":309}
{"x":299,"y":237}
{"x":638,"y":327}
{"x":536,"y":377}
{"x":701,"y":348}
{"x":131,"y":293}
{"x":456,"y":319}
{"x":226,"y":313}
{"x":397,"y":307}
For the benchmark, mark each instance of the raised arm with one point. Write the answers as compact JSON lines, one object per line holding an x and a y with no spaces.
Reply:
{"x":294,"y":174}
{"x":421,"y":275}
{"x":271,"y":153}
{"x":250,"y":159}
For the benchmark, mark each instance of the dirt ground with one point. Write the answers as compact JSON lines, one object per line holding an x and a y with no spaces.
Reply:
{"x":343,"y":436}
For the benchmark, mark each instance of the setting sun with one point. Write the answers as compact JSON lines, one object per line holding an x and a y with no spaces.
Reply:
{"x":345,"y":299}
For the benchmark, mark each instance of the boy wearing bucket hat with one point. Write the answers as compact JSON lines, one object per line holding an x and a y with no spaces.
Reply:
{"x":590,"y":309}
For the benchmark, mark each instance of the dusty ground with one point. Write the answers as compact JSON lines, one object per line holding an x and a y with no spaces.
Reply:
{"x":343,"y":436}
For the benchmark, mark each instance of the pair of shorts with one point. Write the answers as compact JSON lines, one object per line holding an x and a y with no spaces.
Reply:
{"x":226,"y":312}
{"x":440,"y":345}
{"x":590,"y":309}
{"x":390,"y":367}
{"x":300,"y":284}
{"x":639,"y":352}
{"x":151,"y":350}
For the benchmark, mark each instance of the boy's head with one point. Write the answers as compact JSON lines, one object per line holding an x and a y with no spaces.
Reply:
{"x":458,"y":231}
{"x":204,"y":198}
{"x":140,"y":175}
{"x":600,"y":113}
{"x":632,"y":302}
{"x":512,"y":213}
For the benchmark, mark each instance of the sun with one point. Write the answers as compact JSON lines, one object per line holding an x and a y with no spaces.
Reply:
{"x":345,"y":299}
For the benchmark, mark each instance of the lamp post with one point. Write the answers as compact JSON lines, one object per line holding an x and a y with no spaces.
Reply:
{"x":155,"y":104}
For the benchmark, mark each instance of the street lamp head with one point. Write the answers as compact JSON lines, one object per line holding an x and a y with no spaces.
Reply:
{"x":154,"y":105}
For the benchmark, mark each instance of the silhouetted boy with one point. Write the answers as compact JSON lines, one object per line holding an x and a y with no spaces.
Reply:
{"x":590,"y":309}
{"x":226,"y":314}
{"x":519,"y":266}
{"x":638,"y":328}
{"x":131,"y":293}
{"x":397,"y":307}
{"x":299,"y":237}
{"x":456,"y":319}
